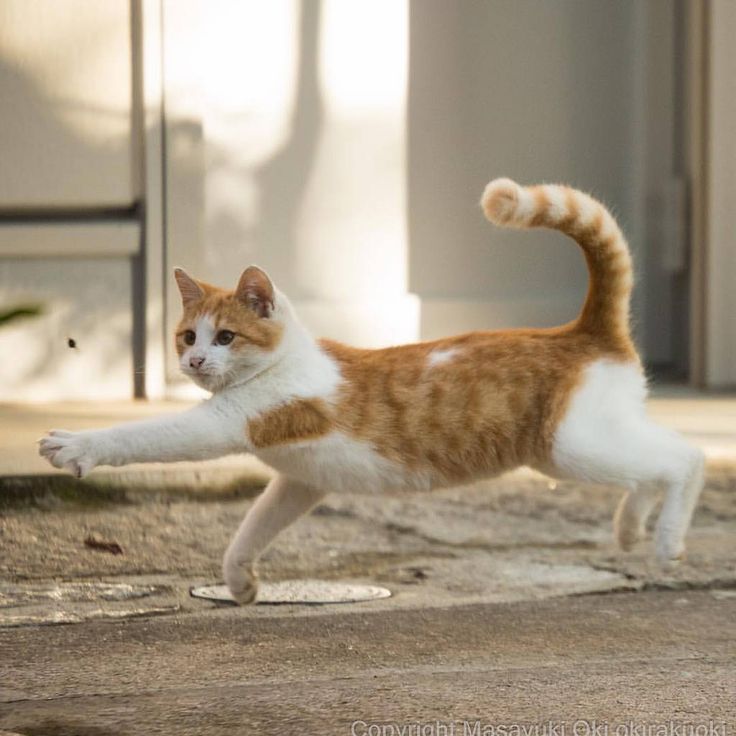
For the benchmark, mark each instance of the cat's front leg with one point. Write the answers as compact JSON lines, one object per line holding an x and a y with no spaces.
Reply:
{"x":210,"y":430}
{"x":283,"y":501}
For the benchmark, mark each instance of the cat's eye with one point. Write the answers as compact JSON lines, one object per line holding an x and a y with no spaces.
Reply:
{"x":189,"y":337}
{"x":224,"y":337}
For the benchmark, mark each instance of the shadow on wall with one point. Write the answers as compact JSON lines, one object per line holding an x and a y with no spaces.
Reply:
{"x":236,"y":178}
{"x":282,"y":180}
{"x":304,"y":161}
{"x":51,"y":160}
{"x":309,"y":179}
{"x":279,"y":183}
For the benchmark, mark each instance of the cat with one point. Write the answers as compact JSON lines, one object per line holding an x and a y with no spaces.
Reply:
{"x":568,"y":401}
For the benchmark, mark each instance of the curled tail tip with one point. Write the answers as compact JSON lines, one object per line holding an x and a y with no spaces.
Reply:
{"x":500,"y":201}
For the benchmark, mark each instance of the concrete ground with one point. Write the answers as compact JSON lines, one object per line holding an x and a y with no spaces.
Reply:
{"x":646,"y":658}
{"x":510,"y":602}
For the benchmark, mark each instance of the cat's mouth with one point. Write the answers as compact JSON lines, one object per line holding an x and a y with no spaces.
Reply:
{"x":205,"y":376}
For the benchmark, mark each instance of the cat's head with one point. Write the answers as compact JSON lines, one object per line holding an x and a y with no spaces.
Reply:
{"x":225,"y":337}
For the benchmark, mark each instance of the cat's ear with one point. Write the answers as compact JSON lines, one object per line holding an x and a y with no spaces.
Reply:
{"x":255,"y":290}
{"x":189,"y":289}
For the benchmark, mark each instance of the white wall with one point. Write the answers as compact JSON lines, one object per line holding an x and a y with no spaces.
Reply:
{"x":537,"y":91}
{"x":295,"y":113}
{"x":87,"y":300}
{"x":66,"y":119}
{"x":720,"y":296}
{"x":319,"y":168}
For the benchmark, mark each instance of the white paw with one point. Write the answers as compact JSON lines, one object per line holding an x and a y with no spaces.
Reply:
{"x":670,"y":548}
{"x":78,"y":452}
{"x":242,"y":581}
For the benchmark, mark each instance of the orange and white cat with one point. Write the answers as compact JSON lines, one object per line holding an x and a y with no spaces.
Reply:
{"x":568,"y":401}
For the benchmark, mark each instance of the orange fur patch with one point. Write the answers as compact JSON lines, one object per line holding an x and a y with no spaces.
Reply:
{"x":303,"y":419}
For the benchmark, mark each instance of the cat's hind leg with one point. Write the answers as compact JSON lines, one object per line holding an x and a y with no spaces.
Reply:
{"x":282,"y":502}
{"x":606,"y":437}
{"x":685,"y":482}
{"x":630,"y":519}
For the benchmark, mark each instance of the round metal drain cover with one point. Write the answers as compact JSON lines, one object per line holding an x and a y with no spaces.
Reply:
{"x":299,"y":591}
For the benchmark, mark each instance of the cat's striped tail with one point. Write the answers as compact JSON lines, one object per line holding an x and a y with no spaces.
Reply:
{"x":606,"y":310}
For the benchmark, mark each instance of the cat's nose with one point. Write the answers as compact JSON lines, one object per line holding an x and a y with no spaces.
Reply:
{"x":196,"y":362}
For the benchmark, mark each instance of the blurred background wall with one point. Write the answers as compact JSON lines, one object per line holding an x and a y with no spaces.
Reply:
{"x":68,"y":190}
{"x":343,"y":146}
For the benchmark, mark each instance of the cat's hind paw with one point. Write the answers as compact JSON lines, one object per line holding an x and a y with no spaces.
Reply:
{"x":628,"y":531}
{"x":670,"y":549}
{"x":73,"y":451}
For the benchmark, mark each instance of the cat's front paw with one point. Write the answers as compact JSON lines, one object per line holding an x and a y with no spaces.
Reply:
{"x":241,"y":581}
{"x":77,"y":452}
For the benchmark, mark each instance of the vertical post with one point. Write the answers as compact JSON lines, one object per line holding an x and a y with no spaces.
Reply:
{"x":721,"y":195}
{"x":712,"y":158}
{"x":148,"y":269}
{"x":696,"y":105}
